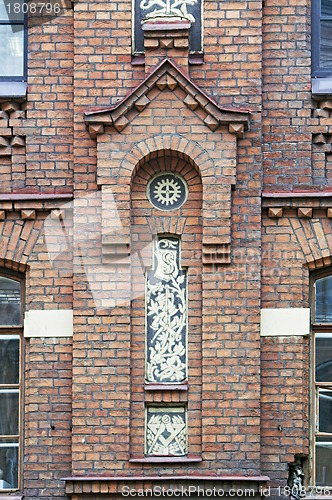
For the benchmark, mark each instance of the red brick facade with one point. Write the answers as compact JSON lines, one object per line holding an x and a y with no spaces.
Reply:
{"x":76,"y":156}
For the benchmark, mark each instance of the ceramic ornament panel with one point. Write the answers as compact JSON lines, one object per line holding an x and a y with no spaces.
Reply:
{"x":191,"y":10}
{"x":166,"y":315}
{"x":167,"y":191}
{"x":168,"y":8}
{"x":166,"y":431}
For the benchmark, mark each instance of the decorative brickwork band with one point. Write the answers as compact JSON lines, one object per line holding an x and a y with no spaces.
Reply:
{"x":167,"y":74}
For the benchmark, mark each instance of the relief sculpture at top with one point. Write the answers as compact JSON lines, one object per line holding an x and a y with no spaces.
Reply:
{"x":168,"y":8}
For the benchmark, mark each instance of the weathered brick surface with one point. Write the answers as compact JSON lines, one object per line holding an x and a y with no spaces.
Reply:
{"x":47,"y":408}
{"x":241,"y":388}
{"x":286,"y":95}
{"x":49,"y":123}
{"x":292,"y":248}
{"x":284,"y":404}
{"x":47,"y":373}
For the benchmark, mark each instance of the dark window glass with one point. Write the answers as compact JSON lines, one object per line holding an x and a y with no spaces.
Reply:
{"x":10,"y":348}
{"x":12,"y":36}
{"x":324,"y":461}
{"x":323,"y":312}
{"x":10,"y":302}
{"x":325,"y":410}
{"x":326,"y":44}
{"x":321,"y":36}
{"x":326,"y":8}
{"x":9,"y":406}
{"x":9,"y":359}
{"x":8,"y":465}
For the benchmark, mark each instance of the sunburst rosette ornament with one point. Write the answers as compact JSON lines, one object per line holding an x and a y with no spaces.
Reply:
{"x":167,"y":191}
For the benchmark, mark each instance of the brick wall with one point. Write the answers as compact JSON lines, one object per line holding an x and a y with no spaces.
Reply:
{"x":47,"y":409}
{"x":241,"y":388}
{"x":49,"y":119}
{"x":286,"y":95}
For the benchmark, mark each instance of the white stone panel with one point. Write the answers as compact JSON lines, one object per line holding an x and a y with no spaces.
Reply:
{"x":46,"y":323}
{"x":285,"y":322}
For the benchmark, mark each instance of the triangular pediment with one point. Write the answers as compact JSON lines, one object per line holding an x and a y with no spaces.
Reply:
{"x":167,"y":75}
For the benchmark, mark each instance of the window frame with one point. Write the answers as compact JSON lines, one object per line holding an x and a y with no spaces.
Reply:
{"x":24,"y":22}
{"x":17,"y":330}
{"x":316,"y":386}
{"x":316,"y":19}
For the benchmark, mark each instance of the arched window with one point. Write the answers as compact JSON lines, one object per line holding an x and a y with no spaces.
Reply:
{"x":11,"y":319}
{"x":322,"y":336}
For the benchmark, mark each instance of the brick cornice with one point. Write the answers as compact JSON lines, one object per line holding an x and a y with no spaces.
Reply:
{"x":35,"y":201}
{"x":297,"y":194}
{"x":297,"y":199}
{"x":166,"y":75}
{"x":35,"y":196}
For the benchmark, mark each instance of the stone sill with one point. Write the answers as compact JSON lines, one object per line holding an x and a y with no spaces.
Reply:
{"x":9,"y":496}
{"x":162,"y":460}
{"x":295,"y":199}
{"x":162,"y":24}
{"x":321,"y":87}
{"x":13,"y":90}
{"x":297,"y":194}
{"x":166,"y":387}
{"x":35,"y":196}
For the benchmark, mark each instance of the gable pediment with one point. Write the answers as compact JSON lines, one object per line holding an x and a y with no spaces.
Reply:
{"x":167,"y":76}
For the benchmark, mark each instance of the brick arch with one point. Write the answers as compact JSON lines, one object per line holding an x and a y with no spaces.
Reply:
{"x":315,"y":239}
{"x":17,"y":241}
{"x":23,"y":249}
{"x":12,"y":265}
{"x":149,"y":221}
{"x":163,"y":145}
